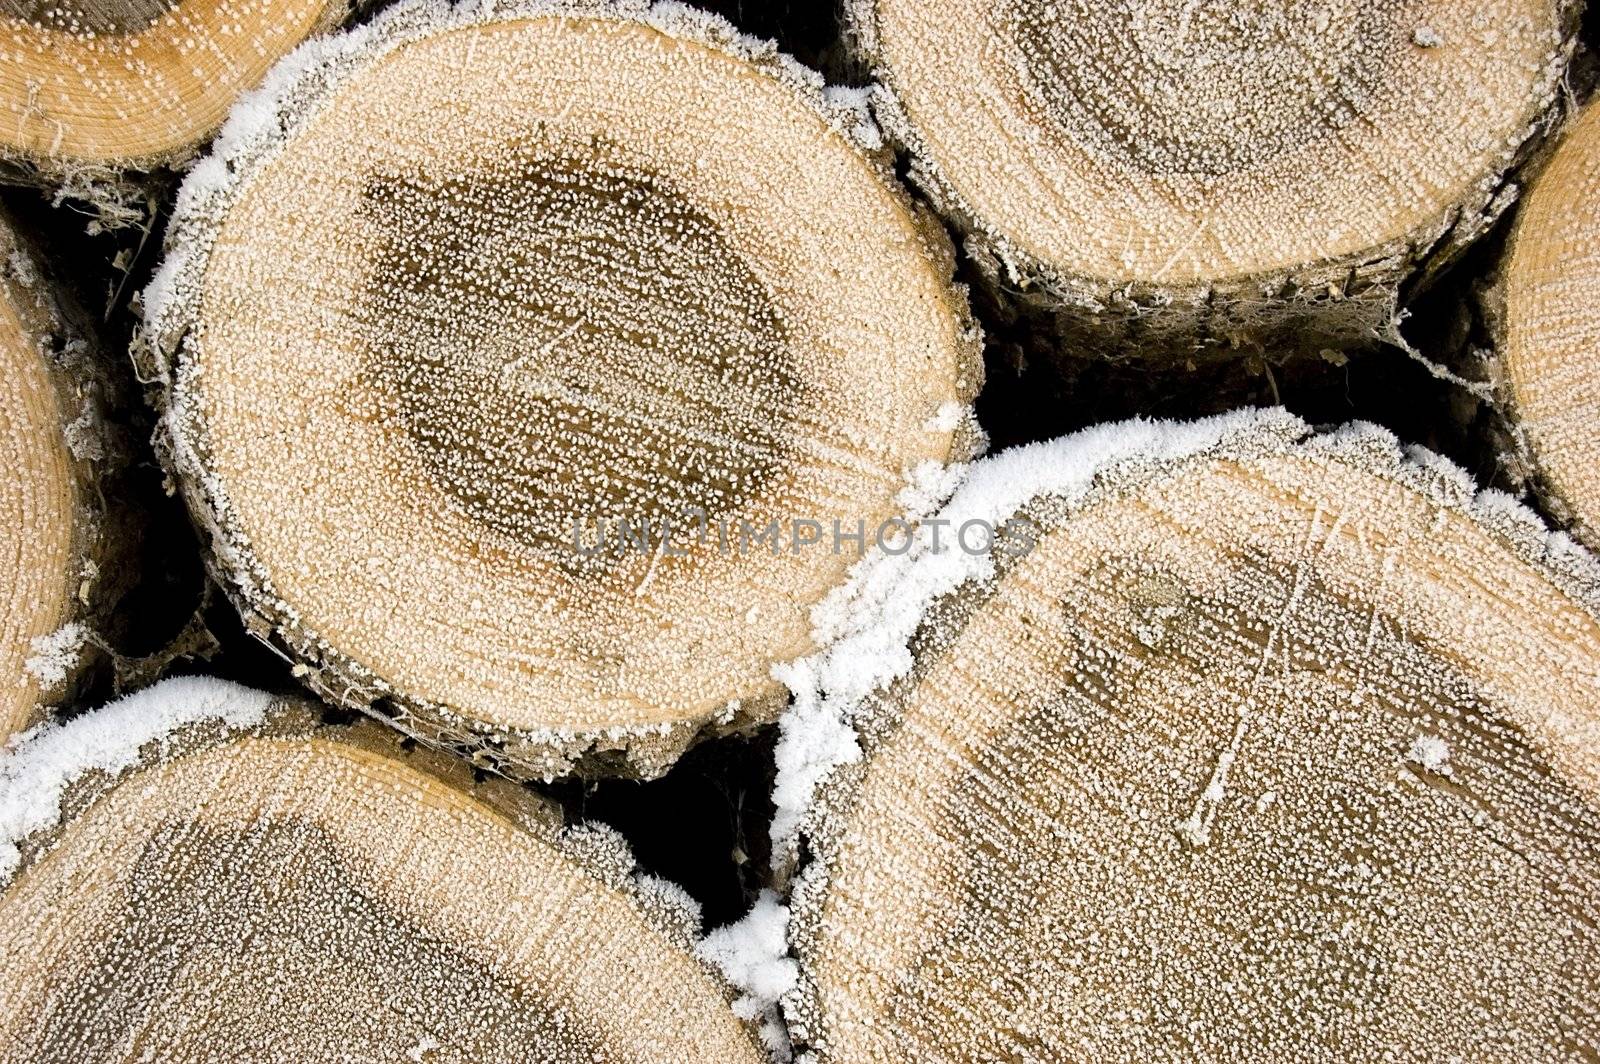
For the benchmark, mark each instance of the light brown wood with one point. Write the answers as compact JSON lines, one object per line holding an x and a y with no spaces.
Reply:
{"x":1198,"y":174}
{"x":424,"y":334}
{"x":90,"y":87}
{"x":54,"y":448}
{"x":1285,"y":750}
{"x":258,"y":886}
{"x":1549,"y":324}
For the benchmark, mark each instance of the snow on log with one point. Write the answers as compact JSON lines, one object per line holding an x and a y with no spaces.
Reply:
{"x":1548,"y":323}
{"x":463,"y":294}
{"x":57,"y":569}
{"x":1183,"y":176}
{"x":92,"y":87}
{"x":199,"y":872}
{"x":1275,"y":746}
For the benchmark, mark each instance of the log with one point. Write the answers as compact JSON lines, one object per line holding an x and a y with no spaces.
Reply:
{"x":1275,"y":746}
{"x":1548,"y":330}
{"x":60,"y":540}
{"x":475,"y":289}
{"x":208,"y":873}
{"x":91,"y":88}
{"x":1176,"y":180}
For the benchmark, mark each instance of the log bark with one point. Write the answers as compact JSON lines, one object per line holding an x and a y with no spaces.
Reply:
{"x":450,"y":310}
{"x":1179,"y":181}
{"x":225,"y":876}
{"x":91,"y":88}
{"x":1546,"y":316}
{"x":61,"y":541}
{"x":1276,"y":746}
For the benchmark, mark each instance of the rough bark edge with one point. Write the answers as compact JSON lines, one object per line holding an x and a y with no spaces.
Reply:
{"x":1501,"y":423}
{"x":844,"y":696}
{"x":291,"y":96}
{"x":87,"y":392}
{"x":1337,"y":303}
{"x":114,"y":198}
{"x":119,"y":194}
{"x":206,"y":714}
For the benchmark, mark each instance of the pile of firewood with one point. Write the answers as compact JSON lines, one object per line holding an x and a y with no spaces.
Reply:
{"x":570,"y":384}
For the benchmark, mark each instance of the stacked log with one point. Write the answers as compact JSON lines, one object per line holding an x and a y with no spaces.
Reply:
{"x":1180,"y":180}
{"x":60,"y":541}
{"x":484,"y":295}
{"x":89,"y":88}
{"x":247,"y":883}
{"x":1548,"y":329}
{"x":1275,"y":746}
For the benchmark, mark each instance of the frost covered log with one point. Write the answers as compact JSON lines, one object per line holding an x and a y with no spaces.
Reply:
{"x":462,"y":291}
{"x":1547,"y":315}
{"x":92,"y":87}
{"x":1276,"y":746}
{"x":58,"y":541}
{"x":201,"y":873}
{"x":1182,"y":177}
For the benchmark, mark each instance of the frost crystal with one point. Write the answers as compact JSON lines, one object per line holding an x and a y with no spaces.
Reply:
{"x":56,"y":655}
{"x":1432,"y":753}
{"x":754,"y":954}
{"x":866,"y":627}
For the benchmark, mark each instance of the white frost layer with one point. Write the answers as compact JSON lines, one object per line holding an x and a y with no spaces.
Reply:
{"x":753,"y":954}
{"x":39,"y":764}
{"x":55,"y":655}
{"x":866,"y":627}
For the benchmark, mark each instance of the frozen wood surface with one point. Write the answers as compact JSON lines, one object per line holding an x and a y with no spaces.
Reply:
{"x":90,"y":87}
{"x":1282,"y":749}
{"x":53,"y":531}
{"x":1198,"y":172}
{"x":224,"y":879}
{"x":435,"y":341}
{"x":546,"y":386}
{"x":1550,"y":327}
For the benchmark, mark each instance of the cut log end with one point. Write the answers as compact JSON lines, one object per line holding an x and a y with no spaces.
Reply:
{"x":1549,"y":323}
{"x":97,"y":87}
{"x":53,"y":444}
{"x":455,"y":355}
{"x":288,"y":890}
{"x":1235,"y":161}
{"x":1284,"y":750}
